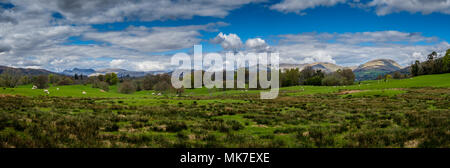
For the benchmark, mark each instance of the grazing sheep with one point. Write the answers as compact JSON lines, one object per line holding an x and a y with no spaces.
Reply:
{"x":57,"y":88}
{"x":34,"y":87}
{"x":153,"y":93}
{"x":84,"y":92}
{"x":159,"y":94}
{"x":46,"y":91}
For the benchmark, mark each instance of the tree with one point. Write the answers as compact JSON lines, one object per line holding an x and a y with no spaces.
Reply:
{"x":379,"y":77}
{"x":432,"y":56}
{"x":101,"y":85}
{"x":397,"y":75}
{"x":387,"y":77}
{"x":41,"y":82}
{"x":162,"y":86}
{"x":446,"y":61}
{"x":101,"y":77}
{"x":65,"y":81}
{"x":349,"y":76}
{"x":111,"y":78}
{"x":309,"y":76}
{"x":127,"y":87}
{"x":333,"y":79}
{"x":291,"y":77}
{"x":149,"y":82}
{"x":415,"y":68}
{"x":10,"y":78}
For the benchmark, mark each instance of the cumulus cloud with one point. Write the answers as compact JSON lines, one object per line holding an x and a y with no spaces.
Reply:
{"x":154,"y":39}
{"x":230,"y":42}
{"x":298,"y":6}
{"x":31,"y":35}
{"x":137,"y":65}
{"x":105,"y":11}
{"x":354,"y":48}
{"x":384,"y":7}
{"x":257,"y":45}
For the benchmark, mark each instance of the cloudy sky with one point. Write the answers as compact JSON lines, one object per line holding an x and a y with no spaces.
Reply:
{"x":143,"y":34}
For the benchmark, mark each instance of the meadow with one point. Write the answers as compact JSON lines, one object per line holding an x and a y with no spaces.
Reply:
{"x":411,"y":113}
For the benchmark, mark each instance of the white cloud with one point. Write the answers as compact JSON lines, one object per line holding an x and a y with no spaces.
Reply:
{"x":298,"y":6}
{"x":257,"y":45}
{"x":106,"y":11}
{"x":139,"y":65}
{"x":154,"y":39}
{"x":228,"y":42}
{"x":32,"y":37}
{"x":351,"y":48}
{"x":384,"y":7}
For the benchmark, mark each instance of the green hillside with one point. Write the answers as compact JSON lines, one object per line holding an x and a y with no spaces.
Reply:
{"x":407,"y":113}
{"x":440,"y":80}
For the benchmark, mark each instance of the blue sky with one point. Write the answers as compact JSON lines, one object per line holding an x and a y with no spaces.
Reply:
{"x":142,"y":35}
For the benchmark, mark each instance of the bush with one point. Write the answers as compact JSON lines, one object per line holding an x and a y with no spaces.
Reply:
{"x":162,"y":86}
{"x":9,"y":78}
{"x":333,"y":80}
{"x":41,"y":82}
{"x":111,"y":78}
{"x":65,"y":81}
{"x":127,"y":87}
{"x":101,"y":85}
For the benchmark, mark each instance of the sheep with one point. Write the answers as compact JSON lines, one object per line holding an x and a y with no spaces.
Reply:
{"x":159,"y":94}
{"x":57,"y":88}
{"x":84,"y":92}
{"x":34,"y":87}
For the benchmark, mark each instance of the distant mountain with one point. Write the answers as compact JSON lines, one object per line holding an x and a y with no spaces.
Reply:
{"x":370,"y":70}
{"x":119,"y":72}
{"x":123,"y":72}
{"x":324,"y":66}
{"x":27,"y":71}
{"x":79,"y":72}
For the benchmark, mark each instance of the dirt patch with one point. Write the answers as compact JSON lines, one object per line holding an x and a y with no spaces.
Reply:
{"x":6,"y":95}
{"x":350,"y":91}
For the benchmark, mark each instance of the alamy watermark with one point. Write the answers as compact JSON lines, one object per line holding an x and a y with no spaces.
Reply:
{"x":263,"y":69}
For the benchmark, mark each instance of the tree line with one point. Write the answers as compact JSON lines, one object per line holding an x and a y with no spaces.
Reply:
{"x":433,"y":65}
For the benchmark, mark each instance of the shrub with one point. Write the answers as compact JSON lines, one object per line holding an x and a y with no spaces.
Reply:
{"x":9,"y":78}
{"x":332,"y":80}
{"x":111,"y":78}
{"x":65,"y":81}
{"x":41,"y":82}
{"x":127,"y":87}
{"x":162,"y":86}
{"x":101,"y":85}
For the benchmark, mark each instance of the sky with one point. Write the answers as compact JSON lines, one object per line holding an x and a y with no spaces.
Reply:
{"x":142,"y":35}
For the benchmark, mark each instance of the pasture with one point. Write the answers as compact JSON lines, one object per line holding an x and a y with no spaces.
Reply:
{"x":398,"y":113}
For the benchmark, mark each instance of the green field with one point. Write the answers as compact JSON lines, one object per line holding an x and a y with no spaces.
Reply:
{"x":411,"y":112}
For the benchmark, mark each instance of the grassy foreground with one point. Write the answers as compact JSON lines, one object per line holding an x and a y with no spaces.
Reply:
{"x":398,"y":113}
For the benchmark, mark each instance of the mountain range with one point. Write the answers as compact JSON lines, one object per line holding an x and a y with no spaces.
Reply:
{"x":367,"y":71}
{"x":26,"y":71}
{"x":119,"y":72}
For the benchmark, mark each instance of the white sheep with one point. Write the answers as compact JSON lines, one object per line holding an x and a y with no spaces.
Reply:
{"x":57,"y":88}
{"x":159,"y":94}
{"x":84,"y":92}
{"x":34,"y":87}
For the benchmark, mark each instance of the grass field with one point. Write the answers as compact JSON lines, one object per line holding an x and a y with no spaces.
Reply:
{"x":399,"y":113}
